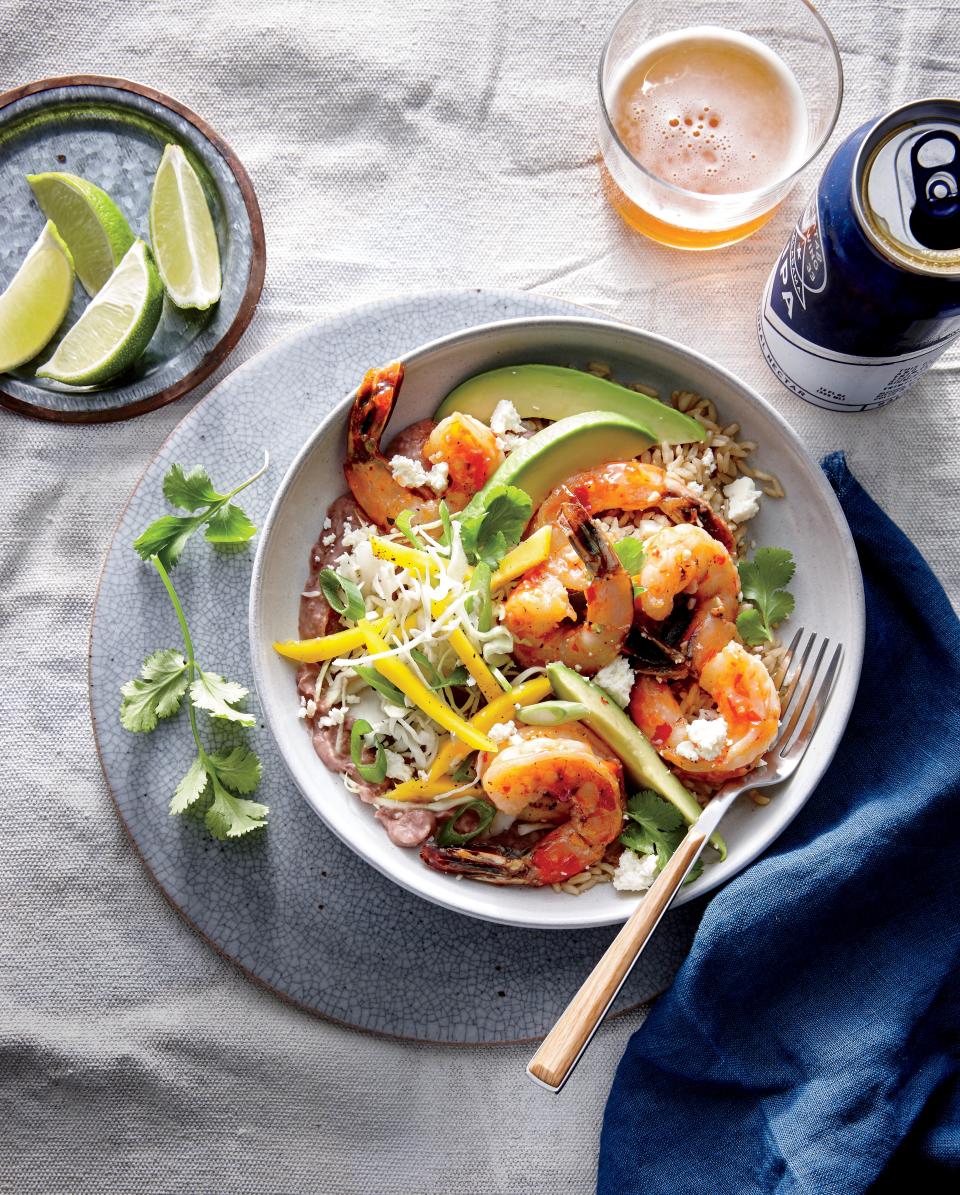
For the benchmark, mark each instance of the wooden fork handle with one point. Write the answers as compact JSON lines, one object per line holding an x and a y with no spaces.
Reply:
{"x":565,"y":1042}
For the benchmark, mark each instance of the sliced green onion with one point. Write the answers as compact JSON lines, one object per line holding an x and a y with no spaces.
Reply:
{"x":448,"y":835}
{"x":403,"y":523}
{"x":459,"y":676}
{"x":446,"y":539}
{"x":631,"y":554}
{"x":552,"y":713}
{"x":342,"y":595}
{"x":373,"y":678}
{"x":373,"y":773}
{"x":482,"y":603}
{"x":501,"y":679}
{"x":430,"y":674}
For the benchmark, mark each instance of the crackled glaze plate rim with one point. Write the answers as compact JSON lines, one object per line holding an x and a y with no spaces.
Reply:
{"x":256,"y":273}
{"x":580,"y":912}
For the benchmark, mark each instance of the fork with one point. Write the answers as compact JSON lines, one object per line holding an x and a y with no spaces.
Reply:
{"x":801,"y":710}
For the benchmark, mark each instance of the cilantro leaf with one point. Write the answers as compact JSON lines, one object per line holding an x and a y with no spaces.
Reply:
{"x":658,"y":829}
{"x":763,"y":581}
{"x":239,"y":769}
{"x":465,"y":770}
{"x":631,"y":554}
{"x":217,"y":696}
{"x":190,"y":490}
{"x":230,"y":816}
{"x":166,"y":537}
{"x":191,"y":788}
{"x":489,"y":535}
{"x":193,"y":490}
{"x":229,"y":525}
{"x":750,"y":627}
{"x":156,"y":693}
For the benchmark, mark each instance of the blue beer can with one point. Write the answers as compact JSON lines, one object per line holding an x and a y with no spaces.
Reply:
{"x":866,"y":294}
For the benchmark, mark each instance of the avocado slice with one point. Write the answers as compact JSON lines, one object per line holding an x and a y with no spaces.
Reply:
{"x":554,"y":392}
{"x":565,"y":447}
{"x":643,"y":765}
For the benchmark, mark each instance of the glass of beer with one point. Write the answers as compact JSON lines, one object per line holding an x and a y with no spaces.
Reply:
{"x":705,"y":127}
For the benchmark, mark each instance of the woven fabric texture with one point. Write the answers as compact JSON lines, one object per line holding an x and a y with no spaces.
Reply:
{"x":394,"y":146}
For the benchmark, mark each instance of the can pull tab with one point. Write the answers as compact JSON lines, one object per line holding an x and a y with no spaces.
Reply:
{"x":935,"y":219}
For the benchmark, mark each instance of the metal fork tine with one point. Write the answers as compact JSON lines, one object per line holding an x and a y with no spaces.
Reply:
{"x":787,"y":731}
{"x":796,"y":672}
{"x":795,"y":751}
{"x":786,"y":661}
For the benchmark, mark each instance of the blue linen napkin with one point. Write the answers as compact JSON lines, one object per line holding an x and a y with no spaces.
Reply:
{"x":810,"y":1042}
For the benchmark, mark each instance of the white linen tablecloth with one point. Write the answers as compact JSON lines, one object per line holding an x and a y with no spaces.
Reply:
{"x":394,"y":146}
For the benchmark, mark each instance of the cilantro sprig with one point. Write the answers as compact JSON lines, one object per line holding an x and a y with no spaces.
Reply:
{"x":657,"y":828}
{"x":193,"y":490}
{"x":489,"y":535}
{"x":166,"y":678}
{"x":763,"y":581}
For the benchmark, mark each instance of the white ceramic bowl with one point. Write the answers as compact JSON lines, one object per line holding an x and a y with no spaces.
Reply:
{"x":809,"y":521}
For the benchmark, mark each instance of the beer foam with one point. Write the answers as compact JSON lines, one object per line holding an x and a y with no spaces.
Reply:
{"x":711,"y":110}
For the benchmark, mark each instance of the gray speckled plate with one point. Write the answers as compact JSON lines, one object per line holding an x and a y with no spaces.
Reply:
{"x":113,"y":132}
{"x":294,"y":907}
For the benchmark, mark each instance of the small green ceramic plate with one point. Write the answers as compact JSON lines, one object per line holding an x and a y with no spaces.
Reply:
{"x":113,"y":132}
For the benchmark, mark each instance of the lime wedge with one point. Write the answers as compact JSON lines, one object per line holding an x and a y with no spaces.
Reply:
{"x":34,"y":304}
{"x":116,"y":326}
{"x":182,"y":233}
{"x":88,"y":220}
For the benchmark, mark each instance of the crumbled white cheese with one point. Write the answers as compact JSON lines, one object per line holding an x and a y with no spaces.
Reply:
{"x":334,"y":718}
{"x":635,"y":873}
{"x":743,"y":499}
{"x":501,"y":731}
{"x":356,"y":535}
{"x":507,"y":426}
{"x":328,"y":540}
{"x":706,"y":739}
{"x":617,"y":680}
{"x":710,"y":461}
{"x":397,"y":767}
{"x":327,"y":524}
{"x":412,"y":475}
{"x":505,"y":418}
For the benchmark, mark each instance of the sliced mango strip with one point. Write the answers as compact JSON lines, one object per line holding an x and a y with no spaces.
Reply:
{"x":326,"y":647}
{"x":518,"y":560}
{"x":402,"y":556}
{"x":475,"y":664}
{"x":501,"y":710}
{"x":428,"y":790}
{"x":399,"y":674}
{"x":525,"y":556}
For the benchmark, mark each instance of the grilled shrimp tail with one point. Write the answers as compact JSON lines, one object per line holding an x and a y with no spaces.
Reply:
{"x":588,"y":539}
{"x":489,"y":867}
{"x":372,"y":407}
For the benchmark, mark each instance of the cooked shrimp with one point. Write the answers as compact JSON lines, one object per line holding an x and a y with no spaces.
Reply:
{"x":582,"y":568}
{"x":634,"y":486}
{"x":744,"y":696}
{"x":468,"y":449}
{"x":544,"y":768}
{"x":471,"y":453}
